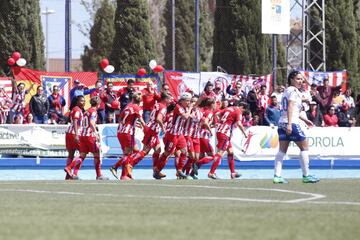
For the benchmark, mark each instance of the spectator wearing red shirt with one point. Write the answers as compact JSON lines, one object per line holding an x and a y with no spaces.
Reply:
{"x":330,"y":118}
{"x":149,"y":98}
{"x":101,"y":109}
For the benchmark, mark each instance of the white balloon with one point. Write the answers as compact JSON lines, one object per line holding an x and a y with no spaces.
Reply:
{"x":152,"y":64}
{"x":21,"y":62}
{"x":109,"y":69}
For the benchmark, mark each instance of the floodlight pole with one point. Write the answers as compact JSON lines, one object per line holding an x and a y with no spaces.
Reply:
{"x":67,"y":35}
{"x":197,"y":37}
{"x":173,"y":34}
{"x":47,"y":13}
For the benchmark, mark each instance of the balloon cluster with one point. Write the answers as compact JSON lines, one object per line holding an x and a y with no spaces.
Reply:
{"x":105,"y":66}
{"x":153,"y":66}
{"x":16,"y":58}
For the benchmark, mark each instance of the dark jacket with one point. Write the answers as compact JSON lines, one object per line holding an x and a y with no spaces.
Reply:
{"x":39,"y":105}
{"x":317,"y":120}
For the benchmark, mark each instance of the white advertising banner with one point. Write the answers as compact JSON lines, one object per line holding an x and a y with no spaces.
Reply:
{"x":275,"y":16}
{"x":33,"y":140}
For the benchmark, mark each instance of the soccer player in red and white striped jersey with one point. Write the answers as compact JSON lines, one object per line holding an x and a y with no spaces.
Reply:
{"x":192,"y":135}
{"x":175,"y":138}
{"x":208,"y":105}
{"x":89,"y":139}
{"x":229,"y":118}
{"x":151,"y":137}
{"x":129,"y":118}
{"x":72,"y":135}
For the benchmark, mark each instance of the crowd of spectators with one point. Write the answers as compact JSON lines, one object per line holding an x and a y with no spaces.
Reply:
{"x":324,"y":105}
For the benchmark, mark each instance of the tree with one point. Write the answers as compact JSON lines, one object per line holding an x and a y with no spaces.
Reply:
{"x":206,"y":35}
{"x":132,"y":46}
{"x":101,"y":37}
{"x":239,"y":45}
{"x":20,"y":29}
{"x":355,"y":83}
{"x":341,"y":37}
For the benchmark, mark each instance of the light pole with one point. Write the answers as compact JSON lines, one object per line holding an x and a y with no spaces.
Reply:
{"x":47,"y":13}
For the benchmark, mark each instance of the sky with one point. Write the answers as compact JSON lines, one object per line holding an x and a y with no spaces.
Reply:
{"x":56,"y":32}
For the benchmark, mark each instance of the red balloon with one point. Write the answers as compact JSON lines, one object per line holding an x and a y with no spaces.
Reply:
{"x":104,"y":63}
{"x":16,"y":56}
{"x":158,"y":69}
{"x":115,"y":104}
{"x":141,"y":72}
{"x":11,"y":61}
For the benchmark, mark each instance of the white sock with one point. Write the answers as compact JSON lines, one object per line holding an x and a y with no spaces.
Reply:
{"x":278,"y":163}
{"x":304,"y":162}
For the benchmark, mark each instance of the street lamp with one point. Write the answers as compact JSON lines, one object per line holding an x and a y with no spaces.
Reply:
{"x":47,"y":13}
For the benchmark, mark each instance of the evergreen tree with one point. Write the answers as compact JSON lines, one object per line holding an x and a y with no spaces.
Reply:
{"x":239,"y":45}
{"x":158,"y":29}
{"x":355,"y":78}
{"x":132,"y":46}
{"x":341,"y":37}
{"x":20,"y":29}
{"x":206,"y":35}
{"x":184,"y":36}
{"x":101,"y":37}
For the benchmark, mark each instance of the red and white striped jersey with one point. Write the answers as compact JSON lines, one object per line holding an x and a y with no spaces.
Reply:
{"x":76,"y":117}
{"x":209,"y":116}
{"x":128,"y":118}
{"x":90,"y":115}
{"x":19,"y":102}
{"x":228,"y":118}
{"x":264,"y":101}
{"x":193,"y":123}
{"x":178,"y":122}
{"x":168,"y":121}
{"x":159,"y":108}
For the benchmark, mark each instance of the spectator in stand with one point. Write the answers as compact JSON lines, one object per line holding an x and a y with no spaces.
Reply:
{"x":39,"y":106}
{"x":253,"y":100}
{"x":344,"y":118}
{"x":29,"y":119}
{"x":314,"y":93}
{"x":272,"y":113}
{"x":149,"y":97}
{"x":357,"y":110}
{"x":338,"y":99}
{"x":111,"y":102}
{"x":263,"y":103}
{"x":125,"y":94}
{"x":330,"y":118}
{"x":18,"y":107}
{"x":101,"y":110}
{"x":5,"y":102}
{"x":79,"y":89}
{"x":278,"y":94}
{"x":326,"y":93}
{"x":256,"y":120}
{"x":219,"y":94}
{"x":349,"y":100}
{"x":247,"y":120}
{"x":165,"y":88}
{"x":315,"y":115}
{"x":56,"y":102}
{"x":236,"y":93}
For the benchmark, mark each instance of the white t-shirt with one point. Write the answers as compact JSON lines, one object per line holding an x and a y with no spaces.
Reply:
{"x":291,"y":94}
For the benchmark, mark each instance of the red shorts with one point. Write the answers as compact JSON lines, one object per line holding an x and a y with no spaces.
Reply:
{"x":126,"y":141}
{"x":205,"y":146}
{"x":223,"y":142}
{"x":89,"y":144}
{"x":151,"y":139}
{"x":196,"y":144}
{"x":70,"y":143}
{"x":173,"y":142}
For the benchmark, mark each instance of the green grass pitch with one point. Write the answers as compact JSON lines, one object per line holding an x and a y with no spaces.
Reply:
{"x":171,"y":209}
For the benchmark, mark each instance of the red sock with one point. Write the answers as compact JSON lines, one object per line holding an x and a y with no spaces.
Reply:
{"x":188,"y":165}
{"x":78,"y":165}
{"x":155,"y":158}
{"x":216,"y":163}
{"x":68,"y":161}
{"x":136,"y":158}
{"x":120,"y":162}
{"x":231,"y":162}
{"x":162,"y":162}
{"x":204,"y":160}
{"x":97,"y":165}
{"x":181,"y":163}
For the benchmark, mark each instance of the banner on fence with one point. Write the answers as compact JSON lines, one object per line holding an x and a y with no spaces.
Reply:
{"x":33,"y":140}
{"x":336,"y":78}
{"x":120,"y":81}
{"x":183,"y":81}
